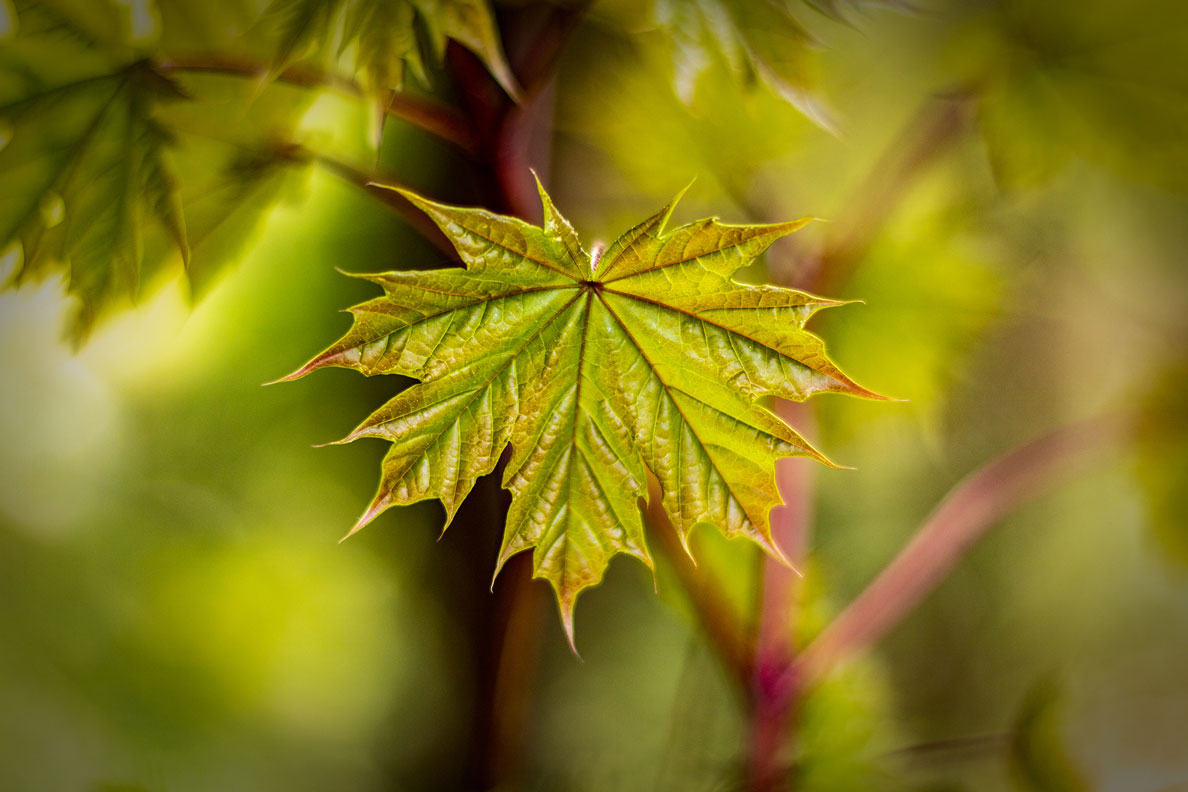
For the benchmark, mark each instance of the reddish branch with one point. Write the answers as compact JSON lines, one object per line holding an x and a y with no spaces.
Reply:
{"x":370,"y":183}
{"x":420,"y":111}
{"x":968,"y":512}
{"x":782,"y":588}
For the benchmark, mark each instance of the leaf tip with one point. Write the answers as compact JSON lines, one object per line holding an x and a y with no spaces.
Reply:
{"x":353,"y":436}
{"x":374,"y":510}
{"x":406,"y":193}
{"x":451,"y":509}
{"x":683,"y":538}
{"x":296,"y":375}
{"x":566,"y":604}
{"x":667,"y":211}
{"x":359,"y":275}
{"x":505,"y":552}
{"x":776,"y":552}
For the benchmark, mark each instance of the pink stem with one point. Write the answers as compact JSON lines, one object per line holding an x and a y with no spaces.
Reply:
{"x":967,"y":513}
{"x":774,"y":694}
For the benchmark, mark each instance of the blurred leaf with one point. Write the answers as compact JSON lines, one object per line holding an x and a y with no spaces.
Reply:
{"x":843,"y":731}
{"x":1038,"y":759}
{"x":1162,"y":461}
{"x":87,"y":165}
{"x":939,"y":290}
{"x":94,"y":22}
{"x":209,"y":26}
{"x":113,"y":166}
{"x":760,"y":40}
{"x":1098,"y":80}
{"x":591,"y":368}
{"x":384,"y":36}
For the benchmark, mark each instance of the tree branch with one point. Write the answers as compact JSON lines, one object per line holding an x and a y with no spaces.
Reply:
{"x":775,"y":641}
{"x":370,"y":184}
{"x":427,"y":114}
{"x":970,"y":509}
{"x":931,"y":133}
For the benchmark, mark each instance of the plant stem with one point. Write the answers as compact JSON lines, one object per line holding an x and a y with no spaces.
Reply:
{"x":428,"y":114}
{"x":972,"y":507}
{"x":370,"y":183}
{"x":774,"y":695}
{"x":512,"y":637}
{"x":511,"y":652}
{"x":932,"y":132}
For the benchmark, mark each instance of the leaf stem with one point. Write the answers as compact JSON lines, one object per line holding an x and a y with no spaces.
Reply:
{"x":369,"y":183}
{"x":974,"y":506}
{"x":930,"y":134}
{"x":427,"y":114}
{"x":773,"y":693}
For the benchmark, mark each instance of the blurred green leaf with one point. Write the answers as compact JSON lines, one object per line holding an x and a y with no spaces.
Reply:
{"x":87,"y":165}
{"x":759,"y":40}
{"x":116,"y":167}
{"x":1097,"y":80}
{"x":388,"y":37}
{"x":589,"y":368}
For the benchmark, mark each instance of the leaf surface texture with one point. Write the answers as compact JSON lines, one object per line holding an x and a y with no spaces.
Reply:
{"x":651,"y":359}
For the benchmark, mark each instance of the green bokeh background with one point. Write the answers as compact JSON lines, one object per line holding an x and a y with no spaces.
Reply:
{"x":175,"y":613}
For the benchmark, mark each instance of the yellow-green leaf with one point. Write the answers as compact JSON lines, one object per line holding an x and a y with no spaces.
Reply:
{"x":595,"y":372}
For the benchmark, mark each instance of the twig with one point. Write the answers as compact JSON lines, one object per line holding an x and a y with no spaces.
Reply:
{"x":970,"y":509}
{"x":419,"y":221}
{"x":429,"y":115}
{"x":775,"y":647}
{"x":931,"y":133}
{"x":954,"y":749}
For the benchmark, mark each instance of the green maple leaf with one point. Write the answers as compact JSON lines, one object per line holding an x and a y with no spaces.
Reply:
{"x":384,"y":35}
{"x":760,"y":40}
{"x":113,"y":169}
{"x":594,"y":370}
{"x":87,"y":164}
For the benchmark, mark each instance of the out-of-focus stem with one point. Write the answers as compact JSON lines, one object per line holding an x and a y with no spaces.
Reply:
{"x":774,"y":694}
{"x":932,"y":132}
{"x":367,"y":182}
{"x":429,"y":115}
{"x":512,"y":651}
{"x":972,"y":507}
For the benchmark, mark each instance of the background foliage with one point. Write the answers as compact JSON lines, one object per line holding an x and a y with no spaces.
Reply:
{"x":1005,"y":188}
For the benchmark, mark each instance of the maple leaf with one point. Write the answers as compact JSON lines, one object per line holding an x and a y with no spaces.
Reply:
{"x":87,"y":163}
{"x":760,"y":40}
{"x":650,"y":358}
{"x":384,"y":35}
{"x":114,"y":168}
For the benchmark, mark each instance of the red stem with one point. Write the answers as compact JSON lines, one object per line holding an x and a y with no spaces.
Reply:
{"x":775,"y":646}
{"x":429,"y":115}
{"x":968,"y":512}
